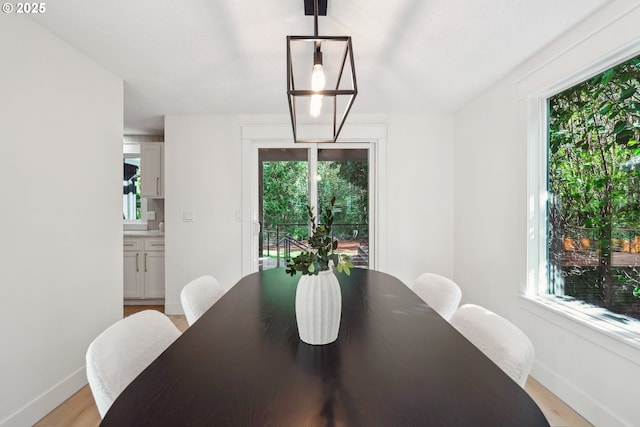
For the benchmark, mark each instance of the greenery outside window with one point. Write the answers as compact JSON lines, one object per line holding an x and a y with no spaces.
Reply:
{"x":591,"y":256}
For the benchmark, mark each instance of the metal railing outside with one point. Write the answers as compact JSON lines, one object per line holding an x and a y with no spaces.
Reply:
{"x":280,"y":240}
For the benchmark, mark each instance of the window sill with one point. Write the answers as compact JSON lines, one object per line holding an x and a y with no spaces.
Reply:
{"x":591,"y":323}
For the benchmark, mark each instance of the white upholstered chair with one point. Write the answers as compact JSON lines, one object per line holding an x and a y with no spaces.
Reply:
{"x":500,"y":340}
{"x":199,"y":295}
{"x":123,"y":350}
{"x":440,"y":293}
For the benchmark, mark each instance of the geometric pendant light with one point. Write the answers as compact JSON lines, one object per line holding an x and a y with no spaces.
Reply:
{"x":321,"y":83}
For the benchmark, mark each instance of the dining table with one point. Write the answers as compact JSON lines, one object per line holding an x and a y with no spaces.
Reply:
{"x":396,"y":362}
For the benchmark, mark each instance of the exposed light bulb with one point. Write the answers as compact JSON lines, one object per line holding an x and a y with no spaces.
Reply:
{"x":317,"y":78}
{"x":317,"y":83}
{"x":315,"y":106}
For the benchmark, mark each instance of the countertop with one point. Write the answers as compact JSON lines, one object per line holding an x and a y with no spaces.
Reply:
{"x":143,"y":233}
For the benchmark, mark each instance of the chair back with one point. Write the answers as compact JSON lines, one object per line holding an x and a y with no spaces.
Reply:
{"x":439,"y":292}
{"x":199,"y":295}
{"x":118,"y":355}
{"x":500,"y":340}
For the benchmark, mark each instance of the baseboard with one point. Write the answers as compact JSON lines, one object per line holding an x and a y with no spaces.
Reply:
{"x":35,"y":410}
{"x":585,"y":405}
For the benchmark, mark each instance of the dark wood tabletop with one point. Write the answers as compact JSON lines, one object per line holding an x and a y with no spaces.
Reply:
{"x":395,"y":363}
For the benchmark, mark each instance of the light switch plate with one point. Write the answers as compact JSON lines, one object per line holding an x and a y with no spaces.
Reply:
{"x":151,"y":215}
{"x":187,"y":216}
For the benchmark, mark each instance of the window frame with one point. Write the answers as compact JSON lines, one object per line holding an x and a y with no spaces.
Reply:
{"x":597,"y":323}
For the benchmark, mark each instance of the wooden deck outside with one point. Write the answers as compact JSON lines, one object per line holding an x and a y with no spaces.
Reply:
{"x":582,"y":258}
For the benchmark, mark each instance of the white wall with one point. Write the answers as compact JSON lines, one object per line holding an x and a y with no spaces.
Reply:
{"x":420,"y":196}
{"x":596,"y":375}
{"x":490,"y":198}
{"x":203,"y":177}
{"x":60,"y":221}
{"x":203,"y":158}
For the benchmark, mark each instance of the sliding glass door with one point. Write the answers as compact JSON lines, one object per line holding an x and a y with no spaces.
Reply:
{"x":289,"y":179}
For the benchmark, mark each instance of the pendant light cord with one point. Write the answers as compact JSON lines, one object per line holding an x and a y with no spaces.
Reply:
{"x":315,"y":17}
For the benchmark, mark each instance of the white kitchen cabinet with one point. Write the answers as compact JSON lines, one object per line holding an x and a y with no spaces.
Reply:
{"x":133,"y":273}
{"x":152,"y":169}
{"x":154,"y":267}
{"x":144,"y":268}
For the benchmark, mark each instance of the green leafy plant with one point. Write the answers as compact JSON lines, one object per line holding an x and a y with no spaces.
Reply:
{"x":322,"y":248}
{"x":594,"y":139}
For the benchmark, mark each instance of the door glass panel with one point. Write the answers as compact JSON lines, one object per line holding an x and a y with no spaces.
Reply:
{"x":283,"y":197}
{"x":344,"y":173}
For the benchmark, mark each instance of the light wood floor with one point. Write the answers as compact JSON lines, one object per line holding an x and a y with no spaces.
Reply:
{"x":80,"y":410}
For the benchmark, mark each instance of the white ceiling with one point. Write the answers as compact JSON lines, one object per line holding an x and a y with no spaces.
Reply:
{"x":228,"y":56}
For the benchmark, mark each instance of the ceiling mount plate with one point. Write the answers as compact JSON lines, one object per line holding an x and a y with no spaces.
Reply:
{"x":322,"y":7}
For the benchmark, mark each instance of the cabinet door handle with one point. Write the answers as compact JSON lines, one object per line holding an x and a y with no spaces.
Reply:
{"x":129,"y":244}
{"x":145,"y":261}
{"x":138,"y":261}
{"x":157,"y":186}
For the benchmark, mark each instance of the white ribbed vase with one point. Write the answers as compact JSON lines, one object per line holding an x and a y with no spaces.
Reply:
{"x":318,"y":308}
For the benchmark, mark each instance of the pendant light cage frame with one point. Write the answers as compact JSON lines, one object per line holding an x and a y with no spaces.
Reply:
{"x":337,"y":53}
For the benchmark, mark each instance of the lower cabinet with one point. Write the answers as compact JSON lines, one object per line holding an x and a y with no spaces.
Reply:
{"x":143,"y":268}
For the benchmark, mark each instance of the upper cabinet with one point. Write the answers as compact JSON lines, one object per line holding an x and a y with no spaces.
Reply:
{"x":152,"y":168}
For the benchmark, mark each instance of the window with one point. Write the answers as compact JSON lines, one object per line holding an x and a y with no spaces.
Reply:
{"x":592,"y":218}
{"x":132,"y":204}
{"x":131,"y":208}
